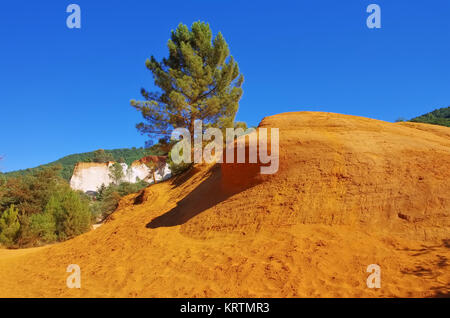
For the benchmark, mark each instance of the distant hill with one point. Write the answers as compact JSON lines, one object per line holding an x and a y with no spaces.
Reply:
{"x":68,"y":163}
{"x":439,"y":116}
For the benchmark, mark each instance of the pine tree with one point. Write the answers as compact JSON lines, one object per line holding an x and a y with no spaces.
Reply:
{"x":116,"y":173}
{"x":9,"y":225}
{"x":102,"y":156}
{"x":43,"y":225}
{"x":101,"y":192}
{"x":155,"y":166}
{"x":77,"y":217}
{"x":199,"y":80}
{"x":72,"y":216}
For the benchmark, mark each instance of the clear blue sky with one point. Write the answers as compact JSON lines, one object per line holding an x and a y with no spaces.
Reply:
{"x":65,"y":91}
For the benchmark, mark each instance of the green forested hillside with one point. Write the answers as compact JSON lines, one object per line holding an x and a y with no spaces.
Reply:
{"x":128,"y":155}
{"x":39,"y":207}
{"x":437,"y":117}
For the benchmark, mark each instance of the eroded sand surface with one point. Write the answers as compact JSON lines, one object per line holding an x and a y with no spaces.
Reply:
{"x":350,"y":192}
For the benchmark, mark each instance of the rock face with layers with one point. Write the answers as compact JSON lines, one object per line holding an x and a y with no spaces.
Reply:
{"x":89,"y":176}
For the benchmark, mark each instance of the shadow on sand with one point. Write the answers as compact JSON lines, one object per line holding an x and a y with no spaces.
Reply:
{"x":209,"y":193}
{"x":442,"y":290}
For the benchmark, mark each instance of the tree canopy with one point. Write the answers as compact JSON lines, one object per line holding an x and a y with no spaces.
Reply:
{"x":101,"y":155}
{"x":198,"y":80}
{"x":116,"y":173}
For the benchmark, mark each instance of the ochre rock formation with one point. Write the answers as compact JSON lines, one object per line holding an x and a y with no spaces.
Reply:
{"x":349,"y":192}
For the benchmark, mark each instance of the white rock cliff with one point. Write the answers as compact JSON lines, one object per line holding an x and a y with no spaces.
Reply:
{"x":89,"y":176}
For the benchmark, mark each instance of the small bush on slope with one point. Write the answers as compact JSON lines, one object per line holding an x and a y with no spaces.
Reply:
{"x":9,"y":226}
{"x":43,"y":225}
{"x":108,"y":198}
{"x":73,"y":217}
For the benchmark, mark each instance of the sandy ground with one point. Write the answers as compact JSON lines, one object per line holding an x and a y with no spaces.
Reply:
{"x":350,"y":192}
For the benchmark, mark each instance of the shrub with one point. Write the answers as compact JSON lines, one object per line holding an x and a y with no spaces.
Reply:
{"x":31,"y":193}
{"x":73,"y":217}
{"x":102,"y":156}
{"x":25,"y":237}
{"x":9,"y":226}
{"x":43,"y":227}
{"x":49,"y":209}
{"x":116,"y":173}
{"x":109,"y":203}
{"x":176,"y":169}
{"x":126,"y":188}
{"x":108,"y":198}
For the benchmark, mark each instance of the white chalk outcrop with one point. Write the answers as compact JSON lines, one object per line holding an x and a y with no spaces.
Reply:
{"x":89,"y":176}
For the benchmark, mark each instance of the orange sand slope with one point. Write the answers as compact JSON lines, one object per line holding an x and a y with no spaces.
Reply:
{"x":350,"y":192}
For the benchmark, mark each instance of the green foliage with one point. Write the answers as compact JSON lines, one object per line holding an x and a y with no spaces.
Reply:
{"x":43,"y":225}
{"x":116,"y":173}
{"x":155,"y":166}
{"x":177,"y":168}
{"x":26,"y":237}
{"x":437,"y":117}
{"x":31,"y":192}
{"x":103,"y":208}
{"x":240,"y":124}
{"x":100,"y":192}
{"x":102,"y":156}
{"x":199,"y":80}
{"x":47,"y":208}
{"x":9,"y":226}
{"x":2,"y":186}
{"x":108,"y":198}
{"x":73,"y":217}
{"x":126,"y":188}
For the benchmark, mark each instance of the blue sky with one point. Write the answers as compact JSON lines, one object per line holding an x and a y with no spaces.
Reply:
{"x":65,"y":91}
